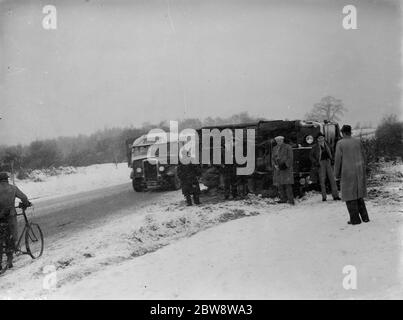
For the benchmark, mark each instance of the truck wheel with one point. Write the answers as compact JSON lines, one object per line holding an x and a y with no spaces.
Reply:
{"x":137,"y":186}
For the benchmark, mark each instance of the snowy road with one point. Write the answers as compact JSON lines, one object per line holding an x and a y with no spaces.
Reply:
{"x":68,"y":214}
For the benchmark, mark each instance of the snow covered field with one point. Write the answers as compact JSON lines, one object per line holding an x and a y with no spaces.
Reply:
{"x":365,"y":133}
{"x":245,"y":249}
{"x":74,"y":180}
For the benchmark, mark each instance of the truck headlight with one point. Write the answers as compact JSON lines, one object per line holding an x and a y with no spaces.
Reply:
{"x":138,"y":170}
{"x":309,"y":139}
{"x":302,"y":181}
{"x":161,"y":168}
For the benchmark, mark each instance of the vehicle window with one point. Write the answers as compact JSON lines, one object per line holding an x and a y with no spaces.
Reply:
{"x":140,"y":151}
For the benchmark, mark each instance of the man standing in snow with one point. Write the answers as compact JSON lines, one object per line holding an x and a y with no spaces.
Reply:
{"x":321,"y":158}
{"x":230,"y":180}
{"x":8,"y":193}
{"x":350,"y":167}
{"x":283,"y":176}
{"x":188,"y":174}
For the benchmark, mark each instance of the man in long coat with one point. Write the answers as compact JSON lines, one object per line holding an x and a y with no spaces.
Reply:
{"x":188,"y":174}
{"x":230,"y":180}
{"x":350,"y":167}
{"x":283,"y":176}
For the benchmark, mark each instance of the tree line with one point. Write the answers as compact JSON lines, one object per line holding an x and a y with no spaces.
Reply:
{"x":103,"y":146}
{"x":387,"y":142}
{"x":110,"y":145}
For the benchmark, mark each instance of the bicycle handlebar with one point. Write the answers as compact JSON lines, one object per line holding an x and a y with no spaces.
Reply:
{"x":22,"y":206}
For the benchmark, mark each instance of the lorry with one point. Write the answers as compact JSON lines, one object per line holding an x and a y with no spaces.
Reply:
{"x":150,"y":173}
{"x":300,"y":134}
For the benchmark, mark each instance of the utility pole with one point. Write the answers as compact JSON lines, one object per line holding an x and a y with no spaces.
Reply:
{"x":12,"y":172}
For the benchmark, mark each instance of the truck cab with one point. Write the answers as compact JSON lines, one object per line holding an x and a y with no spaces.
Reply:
{"x":149,"y":172}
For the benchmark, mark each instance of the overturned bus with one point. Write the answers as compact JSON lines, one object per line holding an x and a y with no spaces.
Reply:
{"x":148,"y":172}
{"x":301,"y":135}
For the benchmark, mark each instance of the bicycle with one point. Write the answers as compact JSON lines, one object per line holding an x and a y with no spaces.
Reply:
{"x":31,"y":233}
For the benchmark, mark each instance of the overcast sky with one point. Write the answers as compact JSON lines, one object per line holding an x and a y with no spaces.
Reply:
{"x":118,"y":63}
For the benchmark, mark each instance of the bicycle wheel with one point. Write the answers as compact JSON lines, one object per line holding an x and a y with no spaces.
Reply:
{"x":34,"y":240}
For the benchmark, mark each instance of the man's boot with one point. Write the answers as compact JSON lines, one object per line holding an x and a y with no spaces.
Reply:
{"x":196,"y":199}
{"x":282,"y":194}
{"x":349,"y":222}
{"x":9,"y":261}
{"x":352,"y":207}
{"x":362,"y":210}
{"x":189,"y":200}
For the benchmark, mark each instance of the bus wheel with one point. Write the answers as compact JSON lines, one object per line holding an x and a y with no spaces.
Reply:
{"x":137,"y":186}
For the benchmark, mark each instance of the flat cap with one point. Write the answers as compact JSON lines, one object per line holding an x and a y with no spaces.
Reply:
{"x":3,"y":176}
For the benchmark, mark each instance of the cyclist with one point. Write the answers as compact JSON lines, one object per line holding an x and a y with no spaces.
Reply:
{"x":8,"y":214}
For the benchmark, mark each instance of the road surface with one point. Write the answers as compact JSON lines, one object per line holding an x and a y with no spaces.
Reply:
{"x":67,"y":214}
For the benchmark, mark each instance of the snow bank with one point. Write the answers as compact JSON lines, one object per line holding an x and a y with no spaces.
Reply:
{"x":366,"y":133}
{"x":117,"y":240}
{"x":244,"y":249}
{"x":69,"y":180}
{"x":386,"y":184}
{"x":278,"y":252}
{"x":177,"y":221}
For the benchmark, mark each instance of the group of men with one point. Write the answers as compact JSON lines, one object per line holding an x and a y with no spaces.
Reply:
{"x":321,"y":160}
{"x":349,"y":168}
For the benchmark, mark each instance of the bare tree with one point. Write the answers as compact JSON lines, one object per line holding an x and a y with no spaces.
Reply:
{"x":329,"y":108}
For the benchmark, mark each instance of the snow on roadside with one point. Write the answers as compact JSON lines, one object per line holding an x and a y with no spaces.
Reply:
{"x":386,"y":184}
{"x":73,"y":180}
{"x":268,"y":251}
{"x":120,"y":239}
{"x":277,"y":251}
{"x":365,"y":133}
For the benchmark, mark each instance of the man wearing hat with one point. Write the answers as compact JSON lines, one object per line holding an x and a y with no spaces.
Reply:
{"x":321,"y":158}
{"x":350,"y":167}
{"x":8,"y":193}
{"x":283,"y":176}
